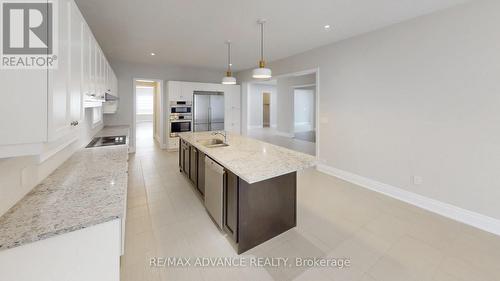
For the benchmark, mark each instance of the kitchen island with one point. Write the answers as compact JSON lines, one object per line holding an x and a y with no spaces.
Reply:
{"x":259,"y":184}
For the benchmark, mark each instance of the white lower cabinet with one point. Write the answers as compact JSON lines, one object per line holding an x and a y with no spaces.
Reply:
{"x":40,"y":107}
{"x":92,"y":253}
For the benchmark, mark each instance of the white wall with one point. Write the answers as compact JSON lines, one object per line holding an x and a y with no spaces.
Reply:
{"x":255,"y":103}
{"x":285,"y":100}
{"x":417,"y":98}
{"x":303,"y":110}
{"x":20,"y":175}
{"x":126,"y":72}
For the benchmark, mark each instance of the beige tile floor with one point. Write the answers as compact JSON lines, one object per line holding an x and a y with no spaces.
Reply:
{"x":384,"y":239}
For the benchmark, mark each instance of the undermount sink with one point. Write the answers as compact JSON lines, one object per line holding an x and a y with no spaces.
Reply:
{"x":213,"y":143}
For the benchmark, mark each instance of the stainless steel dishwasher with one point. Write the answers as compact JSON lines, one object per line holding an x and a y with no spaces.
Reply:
{"x":214,"y":186}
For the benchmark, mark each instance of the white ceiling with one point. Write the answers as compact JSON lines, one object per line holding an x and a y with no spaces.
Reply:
{"x":193,"y":32}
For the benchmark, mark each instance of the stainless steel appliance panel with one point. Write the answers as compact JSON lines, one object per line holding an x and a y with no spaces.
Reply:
{"x":180,"y":109}
{"x":214,"y":185}
{"x":107,"y":141}
{"x":217,"y":108}
{"x":177,"y":127}
{"x":208,"y":111}
{"x":217,"y":126}
{"x":201,"y":113}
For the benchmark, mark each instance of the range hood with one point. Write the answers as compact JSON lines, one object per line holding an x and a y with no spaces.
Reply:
{"x":110,"y":97}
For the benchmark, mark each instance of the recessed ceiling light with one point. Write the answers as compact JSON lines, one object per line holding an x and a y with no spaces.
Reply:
{"x":327,"y":27}
{"x":153,"y":54}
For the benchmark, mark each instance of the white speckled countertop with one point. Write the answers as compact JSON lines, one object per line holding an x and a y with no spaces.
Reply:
{"x":251,"y":160}
{"x":88,"y":189}
{"x":110,"y":131}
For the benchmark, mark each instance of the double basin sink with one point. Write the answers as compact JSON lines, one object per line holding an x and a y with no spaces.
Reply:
{"x":211,"y":143}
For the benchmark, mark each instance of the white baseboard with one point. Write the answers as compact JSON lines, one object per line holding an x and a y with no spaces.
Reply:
{"x":474,"y":219}
{"x":255,"y":127}
{"x":303,"y":127}
{"x":284,"y":134}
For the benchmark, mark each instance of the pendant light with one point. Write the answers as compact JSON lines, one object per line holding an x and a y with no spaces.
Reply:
{"x":262,"y":72}
{"x":229,"y":79}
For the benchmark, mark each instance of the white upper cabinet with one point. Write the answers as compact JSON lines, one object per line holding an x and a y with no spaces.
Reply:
{"x":23,"y":110}
{"x":93,"y":67}
{"x":111,"y":107}
{"x":187,"y":90}
{"x":181,"y":91}
{"x":174,"y":90}
{"x":86,"y":60}
{"x":41,"y":110}
{"x":76,"y":62}
{"x":59,"y":78}
{"x":232,"y":104}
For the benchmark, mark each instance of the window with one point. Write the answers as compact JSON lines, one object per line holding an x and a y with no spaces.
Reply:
{"x":144,"y":103}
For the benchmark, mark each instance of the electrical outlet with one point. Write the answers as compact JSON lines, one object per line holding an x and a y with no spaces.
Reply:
{"x":418,"y":180}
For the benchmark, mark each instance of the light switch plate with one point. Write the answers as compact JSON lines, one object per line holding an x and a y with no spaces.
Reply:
{"x":418,"y":180}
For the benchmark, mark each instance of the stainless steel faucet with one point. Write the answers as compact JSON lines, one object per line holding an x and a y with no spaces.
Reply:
{"x":222,"y":133}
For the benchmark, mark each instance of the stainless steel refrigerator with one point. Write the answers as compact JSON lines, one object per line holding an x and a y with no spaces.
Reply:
{"x":208,"y":111}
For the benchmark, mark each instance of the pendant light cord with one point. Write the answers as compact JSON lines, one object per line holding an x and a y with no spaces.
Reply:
{"x":229,"y":56}
{"x":261,"y":41}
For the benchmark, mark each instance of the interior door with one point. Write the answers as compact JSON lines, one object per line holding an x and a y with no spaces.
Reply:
{"x":201,"y":113}
{"x":217,"y":112}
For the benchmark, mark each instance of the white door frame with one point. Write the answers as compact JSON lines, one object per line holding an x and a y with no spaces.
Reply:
{"x":134,"y":113}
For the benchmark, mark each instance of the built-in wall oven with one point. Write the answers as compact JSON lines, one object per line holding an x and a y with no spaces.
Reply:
{"x":180,"y":117}
{"x":179,"y":126}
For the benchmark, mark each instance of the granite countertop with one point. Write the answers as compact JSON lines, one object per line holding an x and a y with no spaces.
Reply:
{"x":88,"y":189}
{"x":110,"y":131}
{"x":252,"y":160}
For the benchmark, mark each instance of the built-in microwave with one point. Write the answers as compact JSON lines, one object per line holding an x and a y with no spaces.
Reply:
{"x":180,"y":103}
{"x":180,"y":109}
{"x":179,"y":126}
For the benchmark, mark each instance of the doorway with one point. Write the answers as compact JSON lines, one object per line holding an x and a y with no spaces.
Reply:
{"x":147,"y":113}
{"x":266,"y":110}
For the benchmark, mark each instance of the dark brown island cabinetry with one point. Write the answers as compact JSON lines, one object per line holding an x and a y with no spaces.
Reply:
{"x":191,"y":163}
{"x":184,"y":157}
{"x":230,"y":214}
{"x":252,"y":213}
{"x":265,"y":209}
{"x":201,"y":172}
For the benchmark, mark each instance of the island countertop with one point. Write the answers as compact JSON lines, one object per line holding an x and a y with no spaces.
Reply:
{"x":88,"y":189}
{"x":251,"y":160}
